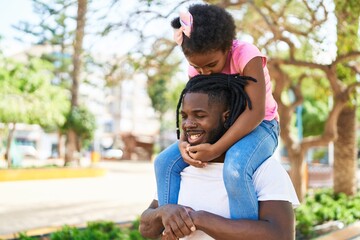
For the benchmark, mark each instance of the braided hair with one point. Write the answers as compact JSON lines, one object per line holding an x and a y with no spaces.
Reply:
{"x":222,"y":88}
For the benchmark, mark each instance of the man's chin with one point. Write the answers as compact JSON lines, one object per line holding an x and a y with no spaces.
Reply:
{"x":195,"y":142}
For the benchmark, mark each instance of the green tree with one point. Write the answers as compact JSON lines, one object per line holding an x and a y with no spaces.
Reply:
{"x":57,"y":30}
{"x":52,"y":31}
{"x":77,"y":56}
{"x":297,"y":36}
{"x":83,"y":122}
{"x":152,"y":55}
{"x":27,"y":96}
{"x":294,"y":34}
{"x":348,"y":41}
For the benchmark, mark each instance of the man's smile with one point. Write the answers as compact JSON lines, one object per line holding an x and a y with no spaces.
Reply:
{"x":194,"y":137}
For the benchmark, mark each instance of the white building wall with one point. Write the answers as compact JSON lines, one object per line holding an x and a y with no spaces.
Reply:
{"x":137,"y":115}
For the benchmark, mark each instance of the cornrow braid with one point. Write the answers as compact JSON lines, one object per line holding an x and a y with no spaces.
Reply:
{"x":226,"y":88}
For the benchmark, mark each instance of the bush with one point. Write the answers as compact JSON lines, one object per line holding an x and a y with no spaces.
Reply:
{"x":100,"y":230}
{"x":323,"y":206}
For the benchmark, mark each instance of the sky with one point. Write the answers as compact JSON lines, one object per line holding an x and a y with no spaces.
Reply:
{"x":11,"y":12}
{"x":14,"y":11}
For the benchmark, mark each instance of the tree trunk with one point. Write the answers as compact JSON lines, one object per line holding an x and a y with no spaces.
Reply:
{"x":70,"y":147}
{"x":60,"y":146}
{"x":77,"y":55}
{"x":298,"y":173}
{"x":345,"y":160}
{"x":8,"y":156}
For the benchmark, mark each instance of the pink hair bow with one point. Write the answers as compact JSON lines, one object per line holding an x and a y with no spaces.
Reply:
{"x":186,"y":21}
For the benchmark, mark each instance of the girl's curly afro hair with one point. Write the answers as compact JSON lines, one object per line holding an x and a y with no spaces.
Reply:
{"x":213,"y":29}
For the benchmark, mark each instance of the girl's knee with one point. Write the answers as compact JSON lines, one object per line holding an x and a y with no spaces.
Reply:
{"x":234,"y":163}
{"x":231,"y":173}
{"x":232,"y":152}
{"x":159,"y":164}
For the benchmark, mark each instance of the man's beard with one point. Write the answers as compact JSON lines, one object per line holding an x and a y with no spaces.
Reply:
{"x":217,"y":133}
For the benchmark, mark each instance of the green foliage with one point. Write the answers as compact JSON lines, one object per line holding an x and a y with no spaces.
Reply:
{"x":100,"y":230}
{"x":23,"y":236}
{"x":323,"y":206}
{"x":157,"y":93}
{"x":175,"y":93}
{"x":27,"y":94}
{"x":66,"y":233}
{"x":347,"y":13}
{"x":319,"y":154}
{"x":314,"y":117}
{"x":83,"y":122}
{"x":161,"y":97}
{"x":94,"y":230}
{"x":54,"y":25}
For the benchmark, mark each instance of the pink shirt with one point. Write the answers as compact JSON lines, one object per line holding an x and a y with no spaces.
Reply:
{"x":241,"y":53}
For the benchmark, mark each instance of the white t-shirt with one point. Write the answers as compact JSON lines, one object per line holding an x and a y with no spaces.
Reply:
{"x":204,"y":189}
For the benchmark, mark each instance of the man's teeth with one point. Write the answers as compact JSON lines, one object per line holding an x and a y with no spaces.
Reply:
{"x":194,"y":136}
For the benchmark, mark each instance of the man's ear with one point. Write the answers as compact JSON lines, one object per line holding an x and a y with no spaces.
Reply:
{"x":226,"y":119}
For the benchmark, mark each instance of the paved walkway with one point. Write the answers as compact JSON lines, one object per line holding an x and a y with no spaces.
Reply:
{"x":120,"y":196}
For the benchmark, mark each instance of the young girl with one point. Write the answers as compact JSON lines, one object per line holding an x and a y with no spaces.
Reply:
{"x":206,"y":34}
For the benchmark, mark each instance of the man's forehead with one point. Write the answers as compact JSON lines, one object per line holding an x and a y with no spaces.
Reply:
{"x":196,"y":98}
{"x":200,"y":101}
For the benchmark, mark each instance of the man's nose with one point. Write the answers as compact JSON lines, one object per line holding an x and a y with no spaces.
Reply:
{"x":189,"y":123}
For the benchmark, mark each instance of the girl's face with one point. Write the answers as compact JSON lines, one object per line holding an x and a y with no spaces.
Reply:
{"x":208,"y":63}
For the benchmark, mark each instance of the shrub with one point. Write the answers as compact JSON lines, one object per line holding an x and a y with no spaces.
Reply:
{"x":323,"y":206}
{"x":99,"y":230}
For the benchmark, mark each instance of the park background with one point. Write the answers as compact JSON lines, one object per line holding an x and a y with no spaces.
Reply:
{"x":85,"y":81}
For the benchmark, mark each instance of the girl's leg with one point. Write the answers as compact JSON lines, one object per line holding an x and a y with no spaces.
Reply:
{"x":241,"y":161}
{"x":168,"y":166}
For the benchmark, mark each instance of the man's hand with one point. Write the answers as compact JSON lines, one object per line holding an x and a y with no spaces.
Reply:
{"x":176,"y":221}
{"x":183,"y":146}
{"x":205,"y":152}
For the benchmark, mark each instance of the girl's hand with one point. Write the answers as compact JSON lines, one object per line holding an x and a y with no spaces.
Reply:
{"x":183,"y":145}
{"x":204,"y":152}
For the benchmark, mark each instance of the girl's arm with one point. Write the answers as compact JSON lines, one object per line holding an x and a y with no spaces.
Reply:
{"x":276,"y":221}
{"x":245,"y":123}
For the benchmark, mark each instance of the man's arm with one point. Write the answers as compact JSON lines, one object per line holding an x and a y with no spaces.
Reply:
{"x":150,"y":222}
{"x":173,"y":219}
{"x":277,"y":222}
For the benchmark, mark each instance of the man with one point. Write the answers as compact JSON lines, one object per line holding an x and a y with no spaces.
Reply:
{"x":207,"y":110}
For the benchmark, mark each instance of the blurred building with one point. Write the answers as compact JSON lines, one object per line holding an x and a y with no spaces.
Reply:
{"x":124,"y":116}
{"x":131,"y":123}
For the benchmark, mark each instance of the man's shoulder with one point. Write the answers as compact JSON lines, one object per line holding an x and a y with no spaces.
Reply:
{"x":272,"y":182}
{"x":270,"y":170}
{"x":271,"y":162}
